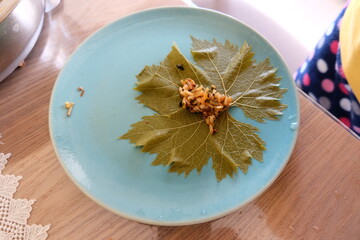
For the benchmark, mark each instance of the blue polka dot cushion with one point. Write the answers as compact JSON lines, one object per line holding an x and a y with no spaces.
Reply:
{"x":322,"y":77}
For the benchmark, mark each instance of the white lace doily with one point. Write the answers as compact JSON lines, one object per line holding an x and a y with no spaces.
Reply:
{"x":15,"y":212}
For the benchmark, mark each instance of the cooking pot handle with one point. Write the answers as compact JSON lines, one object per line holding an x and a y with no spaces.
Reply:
{"x":51,"y":4}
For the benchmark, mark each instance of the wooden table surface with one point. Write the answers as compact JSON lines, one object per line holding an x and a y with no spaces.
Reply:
{"x":317,"y":196}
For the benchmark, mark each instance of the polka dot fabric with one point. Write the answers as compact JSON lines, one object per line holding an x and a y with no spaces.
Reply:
{"x":322,"y":77}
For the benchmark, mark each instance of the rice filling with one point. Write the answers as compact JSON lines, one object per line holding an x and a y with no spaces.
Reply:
{"x":198,"y":99}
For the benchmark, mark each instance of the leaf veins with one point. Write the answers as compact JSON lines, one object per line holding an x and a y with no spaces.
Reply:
{"x":181,"y":139}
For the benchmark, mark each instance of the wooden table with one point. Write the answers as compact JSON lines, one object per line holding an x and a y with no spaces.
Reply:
{"x":316,"y":197}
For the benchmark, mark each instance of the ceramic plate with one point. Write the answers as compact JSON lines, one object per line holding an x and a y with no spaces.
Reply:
{"x":115,"y":173}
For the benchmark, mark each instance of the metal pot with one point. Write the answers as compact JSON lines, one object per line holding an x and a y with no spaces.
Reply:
{"x":19,"y":32}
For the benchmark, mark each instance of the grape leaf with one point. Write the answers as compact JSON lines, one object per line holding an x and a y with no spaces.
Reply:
{"x":253,"y":87}
{"x":214,"y":58}
{"x":160,"y":84}
{"x":181,"y":139}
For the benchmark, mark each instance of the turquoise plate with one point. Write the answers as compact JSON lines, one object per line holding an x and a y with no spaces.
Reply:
{"x":114,"y":173}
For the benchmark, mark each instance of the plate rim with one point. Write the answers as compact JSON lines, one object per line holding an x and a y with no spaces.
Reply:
{"x":182,"y":222}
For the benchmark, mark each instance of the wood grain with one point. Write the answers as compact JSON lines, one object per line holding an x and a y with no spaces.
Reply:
{"x":6,"y":7}
{"x":316,"y":196}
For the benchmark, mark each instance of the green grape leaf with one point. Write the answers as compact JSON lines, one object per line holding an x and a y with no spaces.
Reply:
{"x":160,"y":84}
{"x":183,"y":142}
{"x":182,"y":139}
{"x":253,"y":87}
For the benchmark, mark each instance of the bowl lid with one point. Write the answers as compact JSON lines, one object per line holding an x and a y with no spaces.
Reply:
{"x":6,"y":7}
